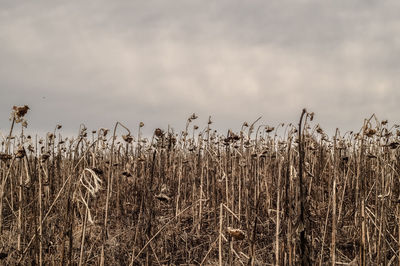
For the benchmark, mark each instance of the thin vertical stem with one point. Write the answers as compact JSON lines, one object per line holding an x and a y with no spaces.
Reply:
{"x":333,"y":240}
{"x":220,"y":236}
{"x":278,"y":201}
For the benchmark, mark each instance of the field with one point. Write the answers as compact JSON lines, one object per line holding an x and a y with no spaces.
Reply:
{"x":283,"y":195}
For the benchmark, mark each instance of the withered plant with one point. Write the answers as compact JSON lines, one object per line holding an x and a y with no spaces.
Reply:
{"x":266,"y":195}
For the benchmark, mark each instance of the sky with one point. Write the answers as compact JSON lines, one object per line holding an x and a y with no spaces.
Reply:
{"x":156,"y":61}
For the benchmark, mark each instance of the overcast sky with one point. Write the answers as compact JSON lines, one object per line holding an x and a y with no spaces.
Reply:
{"x":98,"y":62}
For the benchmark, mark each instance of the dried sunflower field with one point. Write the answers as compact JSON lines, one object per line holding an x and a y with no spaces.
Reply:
{"x":283,"y":195}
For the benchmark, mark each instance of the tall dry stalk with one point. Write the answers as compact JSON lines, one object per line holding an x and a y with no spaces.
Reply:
{"x":40,"y":235}
{"x":304,"y":228}
{"x":334,"y":182}
{"x":278,"y":189}
{"x":278,"y":211}
{"x":220,"y":254}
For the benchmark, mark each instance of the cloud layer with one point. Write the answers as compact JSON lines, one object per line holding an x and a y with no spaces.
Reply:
{"x":98,"y":62}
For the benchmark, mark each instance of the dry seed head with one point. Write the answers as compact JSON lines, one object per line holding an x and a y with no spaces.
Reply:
{"x":393,"y":145}
{"x":158,"y":132}
{"x":193,"y":117}
{"x":45,"y":156}
{"x":5,"y":157}
{"x":20,"y":152}
{"x":30,"y":148}
{"x":319,"y":130}
{"x":128,"y":138}
{"x":269,"y":129}
{"x":105,"y":131}
{"x":236,"y":234}
{"x":20,"y":111}
{"x":83,"y":133}
{"x":369,"y":132}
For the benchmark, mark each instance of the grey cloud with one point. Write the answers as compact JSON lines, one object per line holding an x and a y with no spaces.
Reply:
{"x":97,"y":62}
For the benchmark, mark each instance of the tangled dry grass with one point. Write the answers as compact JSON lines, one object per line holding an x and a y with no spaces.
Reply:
{"x":254,"y":197}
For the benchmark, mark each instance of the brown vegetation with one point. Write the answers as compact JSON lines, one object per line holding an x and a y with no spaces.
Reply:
{"x":256,"y":197}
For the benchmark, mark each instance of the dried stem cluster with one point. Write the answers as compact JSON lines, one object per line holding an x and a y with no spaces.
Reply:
{"x":200,"y":197}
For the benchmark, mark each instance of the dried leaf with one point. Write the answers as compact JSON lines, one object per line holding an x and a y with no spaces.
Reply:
{"x":393,"y":145}
{"x":126,"y":173}
{"x":45,"y":156}
{"x":5,"y":157}
{"x":236,"y":234}
{"x":20,"y":152}
{"x":162,"y":197}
